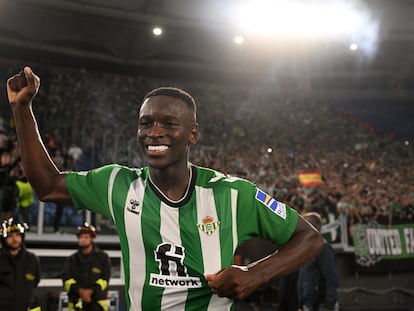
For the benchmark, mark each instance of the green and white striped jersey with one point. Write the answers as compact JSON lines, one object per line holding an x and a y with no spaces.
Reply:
{"x":167,"y":246}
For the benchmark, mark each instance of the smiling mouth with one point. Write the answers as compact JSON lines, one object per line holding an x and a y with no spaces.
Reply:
{"x":157,"y":149}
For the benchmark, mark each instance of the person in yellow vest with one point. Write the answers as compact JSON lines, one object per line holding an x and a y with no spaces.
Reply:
{"x":19,"y":269}
{"x":25,"y":197}
{"x":86,"y":274}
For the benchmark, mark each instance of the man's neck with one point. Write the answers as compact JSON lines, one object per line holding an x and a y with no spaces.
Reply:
{"x":15,"y":252}
{"x":87,"y":250}
{"x":172,"y":184}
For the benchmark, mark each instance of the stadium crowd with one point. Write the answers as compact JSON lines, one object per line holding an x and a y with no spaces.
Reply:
{"x":245,"y":131}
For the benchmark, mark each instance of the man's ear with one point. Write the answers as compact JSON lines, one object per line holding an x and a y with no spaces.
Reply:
{"x":193,"y":138}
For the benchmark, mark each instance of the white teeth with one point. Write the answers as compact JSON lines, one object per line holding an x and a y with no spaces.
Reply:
{"x":157,"y":148}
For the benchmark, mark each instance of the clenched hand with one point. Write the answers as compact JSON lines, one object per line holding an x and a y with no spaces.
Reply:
{"x":23,"y":87}
{"x":234,"y":282}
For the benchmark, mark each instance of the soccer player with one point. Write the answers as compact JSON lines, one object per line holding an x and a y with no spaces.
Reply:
{"x":178,"y":224}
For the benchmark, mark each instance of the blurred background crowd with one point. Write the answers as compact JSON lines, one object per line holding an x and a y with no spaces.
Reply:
{"x":89,"y":118}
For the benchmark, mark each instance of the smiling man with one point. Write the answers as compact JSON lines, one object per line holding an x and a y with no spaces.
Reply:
{"x":179,"y":224}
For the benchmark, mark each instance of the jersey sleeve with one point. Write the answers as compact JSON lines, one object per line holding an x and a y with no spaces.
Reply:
{"x":89,"y":189}
{"x":260,"y":215}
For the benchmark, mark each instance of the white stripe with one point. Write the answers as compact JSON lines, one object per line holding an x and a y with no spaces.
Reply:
{"x":110,"y":187}
{"x":210,"y":244}
{"x":170,"y":233}
{"x":234,"y":218}
{"x":219,"y":304}
{"x":269,"y":204}
{"x":136,"y":248}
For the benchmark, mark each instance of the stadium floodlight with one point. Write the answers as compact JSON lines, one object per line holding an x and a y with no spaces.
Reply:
{"x":238,"y":40}
{"x":299,"y":18}
{"x":353,"y":47}
{"x":157,"y":31}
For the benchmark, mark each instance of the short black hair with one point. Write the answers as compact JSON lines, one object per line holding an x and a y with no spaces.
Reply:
{"x":173,"y":92}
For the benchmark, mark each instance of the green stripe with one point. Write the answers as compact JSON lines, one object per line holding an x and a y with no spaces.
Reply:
{"x":191,"y":241}
{"x":151,"y":224}
{"x":198,"y":299}
{"x":117,"y":192}
{"x":224,"y":214}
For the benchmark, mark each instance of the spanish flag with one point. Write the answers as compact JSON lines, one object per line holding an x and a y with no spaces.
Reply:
{"x":308,"y":179}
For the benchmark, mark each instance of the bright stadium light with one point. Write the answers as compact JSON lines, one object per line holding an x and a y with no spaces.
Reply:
{"x":299,"y":18}
{"x":238,"y":40}
{"x":157,"y":31}
{"x":353,"y":47}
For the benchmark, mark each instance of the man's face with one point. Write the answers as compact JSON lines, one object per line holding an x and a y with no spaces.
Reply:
{"x":84,"y":240}
{"x":166,"y":127}
{"x":14,"y":240}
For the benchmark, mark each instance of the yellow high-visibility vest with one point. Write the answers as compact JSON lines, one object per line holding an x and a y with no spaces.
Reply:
{"x":25,"y":193}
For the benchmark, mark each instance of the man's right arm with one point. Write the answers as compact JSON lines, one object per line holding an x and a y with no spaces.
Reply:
{"x":47,"y":181}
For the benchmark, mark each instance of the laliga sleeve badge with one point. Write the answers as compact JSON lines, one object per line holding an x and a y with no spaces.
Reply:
{"x":208,"y":225}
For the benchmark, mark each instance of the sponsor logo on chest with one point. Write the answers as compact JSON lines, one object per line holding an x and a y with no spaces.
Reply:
{"x":172,"y":271}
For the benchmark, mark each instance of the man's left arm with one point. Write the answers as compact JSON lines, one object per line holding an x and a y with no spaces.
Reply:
{"x":237,"y":283}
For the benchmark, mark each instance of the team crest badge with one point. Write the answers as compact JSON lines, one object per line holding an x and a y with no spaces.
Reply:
{"x":208,"y":225}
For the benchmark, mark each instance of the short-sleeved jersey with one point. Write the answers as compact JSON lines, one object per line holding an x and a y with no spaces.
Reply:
{"x":168,"y":246}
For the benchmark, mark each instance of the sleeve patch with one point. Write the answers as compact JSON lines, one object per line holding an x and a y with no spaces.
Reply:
{"x":276,"y":207}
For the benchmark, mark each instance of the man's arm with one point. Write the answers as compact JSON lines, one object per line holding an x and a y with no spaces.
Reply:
{"x":45,"y":178}
{"x":101,"y":285}
{"x":38,"y":270}
{"x":70,"y":283}
{"x":237,"y":283}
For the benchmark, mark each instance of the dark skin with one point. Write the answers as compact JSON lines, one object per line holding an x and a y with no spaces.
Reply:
{"x":167,"y":128}
{"x":45,"y":178}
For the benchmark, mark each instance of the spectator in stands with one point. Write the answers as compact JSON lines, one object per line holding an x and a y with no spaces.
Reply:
{"x":4,"y":140}
{"x":51,"y":145}
{"x":318,"y":280}
{"x":58,"y":217}
{"x":8,"y":188}
{"x":288,"y":287}
{"x":59,"y":161}
{"x":74,"y":154}
{"x":86,"y":274}
{"x":24,"y":197}
{"x":171,"y":216}
{"x":19,"y":269}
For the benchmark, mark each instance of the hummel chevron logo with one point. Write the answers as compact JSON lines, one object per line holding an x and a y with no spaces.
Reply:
{"x":133,"y":207}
